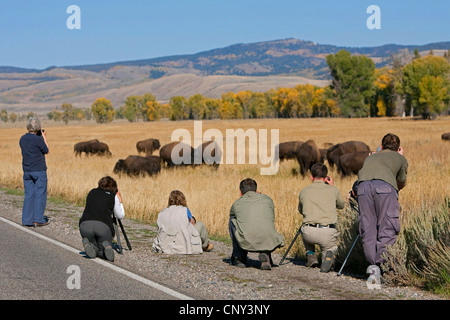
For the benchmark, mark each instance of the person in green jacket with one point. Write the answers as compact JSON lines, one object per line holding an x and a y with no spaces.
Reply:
{"x":318,"y":203}
{"x":252,"y":226}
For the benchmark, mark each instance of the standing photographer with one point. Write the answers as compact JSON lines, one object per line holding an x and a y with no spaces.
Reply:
{"x":34,"y":148}
{"x":96,"y":223}
{"x":379,"y":181}
{"x":318,"y":203}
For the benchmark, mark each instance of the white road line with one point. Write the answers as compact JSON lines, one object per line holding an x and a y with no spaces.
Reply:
{"x":104,"y":263}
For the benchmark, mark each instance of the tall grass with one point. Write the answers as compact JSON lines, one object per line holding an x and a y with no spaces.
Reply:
{"x":210,"y":193}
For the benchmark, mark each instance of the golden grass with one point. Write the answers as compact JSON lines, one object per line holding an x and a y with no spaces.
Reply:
{"x":211,"y":193}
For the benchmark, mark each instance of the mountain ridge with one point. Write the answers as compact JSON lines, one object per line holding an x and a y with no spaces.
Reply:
{"x":258,"y":66}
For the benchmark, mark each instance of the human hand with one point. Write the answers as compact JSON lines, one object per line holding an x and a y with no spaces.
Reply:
{"x":329,"y":181}
{"x":401,"y":150}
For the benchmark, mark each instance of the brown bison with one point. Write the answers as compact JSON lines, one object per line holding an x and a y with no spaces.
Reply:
{"x":351,"y":163}
{"x":288,"y":150}
{"x":177,"y":154}
{"x":147,"y":146}
{"x":91,"y":147}
{"x":138,"y":165}
{"x":209,"y":153}
{"x":307,"y":154}
{"x":446,"y":136}
{"x":336,"y":151}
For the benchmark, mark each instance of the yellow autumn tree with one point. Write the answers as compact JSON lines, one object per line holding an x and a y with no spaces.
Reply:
{"x":103,"y":110}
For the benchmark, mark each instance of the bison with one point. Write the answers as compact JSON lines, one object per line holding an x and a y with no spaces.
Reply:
{"x":288,"y":150}
{"x":351,"y":163}
{"x":183,"y":154}
{"x":209,"y":153}
{"x":147,"y":146}
{"x":336,"y":151}
{"x":91,"y":147}
{"x":307,"y":154}
{"x":446,"y":136}
{"x":138,"y":165}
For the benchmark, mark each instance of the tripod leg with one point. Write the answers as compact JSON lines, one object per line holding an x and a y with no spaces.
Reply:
{"x":290,"y":246}
{"x":117,"y":235}
{"x":125,"y":235}
{"x":348,"y":255}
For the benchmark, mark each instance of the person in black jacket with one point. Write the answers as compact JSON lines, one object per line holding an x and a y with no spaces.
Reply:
{"x":96,"y":223}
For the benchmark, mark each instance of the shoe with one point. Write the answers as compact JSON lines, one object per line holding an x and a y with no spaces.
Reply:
{"x":108,"y":251}
{"x":265,"y":261}
{"x":37,"y":224}
{"x":209,"y":247}
{"x":89,"y":248}
{"x":240,"y":263}
{"x":328,"y":262}
{"x":311,"y":260}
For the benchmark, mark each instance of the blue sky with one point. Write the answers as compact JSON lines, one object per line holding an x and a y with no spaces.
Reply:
{"x":34,"y":34}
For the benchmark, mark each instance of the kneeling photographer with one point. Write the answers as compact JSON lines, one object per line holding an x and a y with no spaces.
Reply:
{"x":318,"y":203}
{"x":96,"y":223}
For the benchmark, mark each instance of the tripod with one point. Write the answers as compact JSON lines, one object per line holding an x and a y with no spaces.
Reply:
{"x":115,"y":220}
{"x":290,"y":246}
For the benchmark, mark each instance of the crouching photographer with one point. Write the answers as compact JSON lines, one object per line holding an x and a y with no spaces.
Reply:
{"x":96,"y":223}
{"x":318,"y":203}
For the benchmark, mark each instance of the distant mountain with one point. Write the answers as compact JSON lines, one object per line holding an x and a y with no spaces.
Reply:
{"x":287,"y":56}
{"x":243,"y":66}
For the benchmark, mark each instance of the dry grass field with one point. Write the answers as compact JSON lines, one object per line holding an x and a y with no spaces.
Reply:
{"x":210,"y":193}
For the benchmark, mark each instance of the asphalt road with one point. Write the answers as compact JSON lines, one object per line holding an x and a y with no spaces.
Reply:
{"x":35,"y":267}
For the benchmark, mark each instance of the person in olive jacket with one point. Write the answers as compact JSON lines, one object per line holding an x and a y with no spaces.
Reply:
{"x":252,"y":226}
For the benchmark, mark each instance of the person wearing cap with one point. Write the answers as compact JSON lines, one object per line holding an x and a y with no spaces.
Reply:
{"x":34,"y":147}
{"x":318,"y":203}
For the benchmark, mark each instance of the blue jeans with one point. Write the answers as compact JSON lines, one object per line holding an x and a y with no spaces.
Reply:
{"x":35,"y":200}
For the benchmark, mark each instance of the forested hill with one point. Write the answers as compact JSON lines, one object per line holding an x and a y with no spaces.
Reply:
{"x":278,"y":57}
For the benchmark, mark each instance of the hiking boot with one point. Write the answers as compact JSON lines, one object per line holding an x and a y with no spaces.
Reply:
{"x":239,"y":262}
{"x":311,"y":260}
{"x":328,"y":262}
{"x":89,"y":248}
{"x":108,"y":251}
{"x":265,"y":261}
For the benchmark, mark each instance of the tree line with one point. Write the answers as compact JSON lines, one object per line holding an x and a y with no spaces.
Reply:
{"x":357,"y":89}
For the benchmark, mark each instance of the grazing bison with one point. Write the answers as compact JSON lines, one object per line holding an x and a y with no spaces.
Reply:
{"x":288,"y":150}
{"x":336,"y":151}
{"x":183,"y":154}
{"x":100,"y":148}
{"x":91,"y":147}
{"x":138,"y":165}
{"x":446,"y":136}
{"x":209,"y":153}
{"x":307,"y":154}
{"x":351,"y":163}
{"x":147,"y":146}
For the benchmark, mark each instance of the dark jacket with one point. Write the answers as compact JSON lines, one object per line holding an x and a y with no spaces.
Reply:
{"x":33,"y":153}
{"x":99,"y":207}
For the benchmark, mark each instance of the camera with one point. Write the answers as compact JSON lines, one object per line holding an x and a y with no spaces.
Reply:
{"x":327,"y":179}
{"x":39,"y":133}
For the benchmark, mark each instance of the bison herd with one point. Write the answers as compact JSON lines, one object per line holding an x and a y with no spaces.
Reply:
{"x":148,"y":164}
{"x":348,"y":157}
